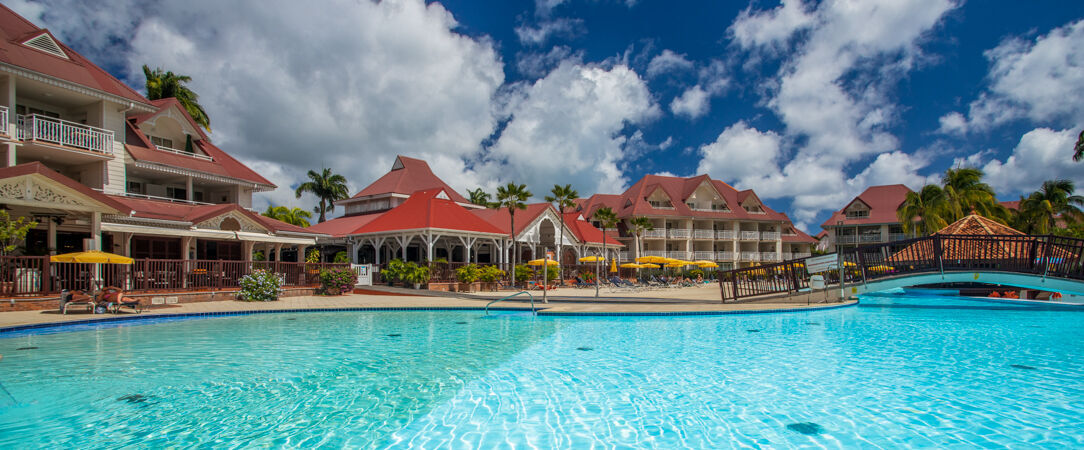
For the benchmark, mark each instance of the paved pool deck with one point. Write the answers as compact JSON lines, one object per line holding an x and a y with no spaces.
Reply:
{"x":692,"y":301}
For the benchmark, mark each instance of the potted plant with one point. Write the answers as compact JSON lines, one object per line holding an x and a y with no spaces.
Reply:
{"x":394,"y":271}
{"x":489,"y":276}
{"x":467,"y":275}
{"x":415,"y":275}
{"x":522,"y":273}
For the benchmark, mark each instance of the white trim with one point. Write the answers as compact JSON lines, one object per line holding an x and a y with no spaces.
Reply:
{"x":45,"y":43}
{"x":257,"y":237}
{"x":256,"y":187}
{"x":61,"y":83}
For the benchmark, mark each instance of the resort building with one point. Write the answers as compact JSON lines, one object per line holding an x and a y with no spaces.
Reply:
{"x":698,"y":218}
{"x":411,"y":214}
{"x":99,"y":166}
{"x":869,"y":218}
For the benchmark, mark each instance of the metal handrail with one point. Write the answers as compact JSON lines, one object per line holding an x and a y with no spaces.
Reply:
{"x":510,"y":296}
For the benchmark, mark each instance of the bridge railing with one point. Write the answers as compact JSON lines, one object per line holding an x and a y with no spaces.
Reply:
{"x":1052,"y":256}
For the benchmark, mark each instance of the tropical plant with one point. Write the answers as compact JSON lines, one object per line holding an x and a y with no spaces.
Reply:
{"x":313,"y":257}
{"x":415,"y":274}
{"x":341,"y":258}
{"x":562,"y":197}
{"x":523,"y":273}
{"x":12,"y":232}
{"x":1078,"y":150}
{"x":1041,"y":210}
{"x":480,"y":197}
{"x":490,"y":274}
{"x":260,"y":286}
{"x":327,"y":187}
{"x":337,"y":281}
{"x":168,"y":84}
{"x":293,"y":216}
{"x":637,"y":226}
{"x":394,"y":271}
{"x":551,"y":273}
{"x":606,"y":218}
{"x":967,"y":194}
{"x":467,"y":274}
{"x":513,"y":197}
{"x":925,"y":211}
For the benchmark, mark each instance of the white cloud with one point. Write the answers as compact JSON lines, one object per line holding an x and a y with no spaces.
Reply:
{"x":953,"y":123}
{"x":1040,"y":80}
{"x":692,"y":103}
{"x":537,"y":65}
{"x":1042,"y":154}
{"x":538,"y":35}
{"x":667,"y":61}
{"x":566,"y":128}
{"x":771,"y":28}
{"x":741,"y":153}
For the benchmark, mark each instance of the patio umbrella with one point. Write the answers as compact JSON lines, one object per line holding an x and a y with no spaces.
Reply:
{"x":632,"y":266}
{"x":613,"y":265}
{"x":707,"y":265}
{"x":539,"y":262}
{"x":592,"y":258}
{"x":649,"y":266}
{"x":652,"y":259}
{"x":703,"y":261}
{"x":92,"y":257}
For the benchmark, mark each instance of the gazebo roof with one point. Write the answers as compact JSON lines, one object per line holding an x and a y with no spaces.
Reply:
{"x":976,"y":225}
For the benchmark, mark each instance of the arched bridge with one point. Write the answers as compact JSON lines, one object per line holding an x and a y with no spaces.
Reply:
{"x":1049,"y":263}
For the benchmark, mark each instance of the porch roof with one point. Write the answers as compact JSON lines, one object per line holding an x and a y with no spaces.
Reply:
{"x":428,"y":210}
{"x":76,"y":196}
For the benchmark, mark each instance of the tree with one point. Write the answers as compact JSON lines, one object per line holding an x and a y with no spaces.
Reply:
{"x":292,"y":216}
{"x":637,"y":226}
{"x":563,"y":197}
{"x":168,"y":84}
{"x":327,"y":187}
{"x":1041,"y":210}
{"x":966,"y":193}
{"x":512,"y":196}
{"x":479,"y":197}
{"x":12,"y":232}
{"x":606,"y":218}
{"x":925,"y":211}
{"x":1079,"y":148}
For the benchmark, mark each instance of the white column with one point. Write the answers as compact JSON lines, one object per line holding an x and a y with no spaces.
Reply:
{"x":50,"y":240}
{"x":188,"y":188}
{"x":246,"y":250}
{"x":351,"y":247}
{"x":96,"y":230}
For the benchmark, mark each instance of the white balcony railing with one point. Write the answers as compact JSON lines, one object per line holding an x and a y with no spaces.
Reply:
{"x":797,"y":255}
{"x":750,"y":236}
{"x":4,"y":120}
{"x":679,"y":254}
{"x":787,"y":256}
{"x":724,"y":256}
{"x":845,"y":239}
{"x":750,"y":256}
{"x":679,"y":233}
{"x":769,"y":235}
{"x":624,"y":256}
{"x":710,"y":256}
{"x":655,"y":234}
{"x":34,"y":127}
{"x":184,"y":153}
{"x":726,"y":234}
{"x":870,"y":237}
{"x":658,"y":253}
{"x":897,"y":236}
{"x":769,"y":256}
{"x":703,"y":234}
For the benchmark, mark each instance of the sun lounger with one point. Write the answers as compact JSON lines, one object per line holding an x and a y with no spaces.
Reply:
{"x":75,"y":298}
{"x":114,"y":298}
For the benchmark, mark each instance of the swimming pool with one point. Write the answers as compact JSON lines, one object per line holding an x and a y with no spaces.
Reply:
{"x":890,"y":372}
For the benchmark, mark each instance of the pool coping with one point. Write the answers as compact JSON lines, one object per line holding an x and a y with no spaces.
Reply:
{"x":540,"y":312}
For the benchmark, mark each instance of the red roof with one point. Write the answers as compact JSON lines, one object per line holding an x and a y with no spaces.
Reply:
{"x":187,"y":212}
{"x":37,"y":168}
{"x":425,"y":210}
{"x":409,"y":175}
{"x":15,"y":30}
{"x":883,"y":201}
{"x":499,"y":217}
{"x":633,"y":202}
{"x":586,"y":232}
{"x":140,"y":148}
{"x":344,"y":226}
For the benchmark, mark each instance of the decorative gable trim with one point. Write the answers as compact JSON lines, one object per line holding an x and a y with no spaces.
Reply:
{"x":244,"y":223}
{"x":45,"y":43}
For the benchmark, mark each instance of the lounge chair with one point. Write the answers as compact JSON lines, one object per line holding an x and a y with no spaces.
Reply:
{"x":580,"y":283}
{"x":76,"y":298}
{"x":113,"y":296}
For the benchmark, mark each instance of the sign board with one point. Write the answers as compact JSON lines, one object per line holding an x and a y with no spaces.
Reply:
{"x":820,"y":264}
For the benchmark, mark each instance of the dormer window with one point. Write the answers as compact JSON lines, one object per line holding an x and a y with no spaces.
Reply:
{"x":857,"y":214}
{"x":755,"y":209}
{"x":660,"y":204}
{"x":719,"y":207}
{"x":161,"y":142}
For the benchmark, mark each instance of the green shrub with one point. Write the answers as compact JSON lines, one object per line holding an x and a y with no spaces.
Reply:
{"x":342,"y":258}
{"x":313,"y":256}
{"x":342,"y":280}
{"x":551,"y":273}
{"x":489,"y":274}
{"x":415,"y":274}
{"x":523,"y":273}
{"x":260,"y":286}
{"x":468,"y":273}
{"x":394,"y":271}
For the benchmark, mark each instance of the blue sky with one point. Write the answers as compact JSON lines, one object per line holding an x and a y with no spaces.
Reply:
{"x":805,"y":102}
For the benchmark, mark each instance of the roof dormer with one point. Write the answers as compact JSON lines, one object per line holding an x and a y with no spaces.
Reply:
{"x":857,"y":210}
{"x":659,"y":199}
{"x":44,"y":42}
{"x":706,"y":198}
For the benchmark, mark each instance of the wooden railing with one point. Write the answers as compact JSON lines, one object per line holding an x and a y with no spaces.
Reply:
{"x":36,"y":275}
{"x":1047,"y":256}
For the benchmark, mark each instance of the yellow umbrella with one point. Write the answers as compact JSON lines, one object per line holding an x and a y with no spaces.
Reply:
{"x":707,"y":265}
{"x":613,"y":265}
{"x":632,"y":266}
{"x":703,"y":261}
{"x":649,"y":266}
{"x":592,"y":258}
{"x":93,"y":257}
{"x":539,"y":262}
{"x":652,"y":259}
{"x":676,"y":264}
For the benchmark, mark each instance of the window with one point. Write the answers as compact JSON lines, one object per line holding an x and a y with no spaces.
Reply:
{"x":135,"y":187}
{"x":161,"y":142}
{"x":663,"y":204}
{"x":857,"y":214}
{"x":197,"y":196}
{"x":719,"y":207}
{"x":176,"y":193}
{"x":691,"y":205}
{"x":24,"y":110}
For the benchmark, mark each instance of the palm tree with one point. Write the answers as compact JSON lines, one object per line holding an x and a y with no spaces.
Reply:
{"x":327,"y":187}
{"x":1041,"y":210}
{"x":479,"y":197}
{"x":930,"y":206}
{"x":563,"y":197}
{"x":168,"y":84}
{"x":1079,"y":148}
{"x":512,"y":196}
{"x":292,"y":216}
{"x":606,"y":218}
{"x":637,"y":226}
{"x":967,"y":194}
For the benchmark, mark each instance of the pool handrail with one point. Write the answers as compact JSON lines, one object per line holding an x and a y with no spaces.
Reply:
{"x":533,"y":311}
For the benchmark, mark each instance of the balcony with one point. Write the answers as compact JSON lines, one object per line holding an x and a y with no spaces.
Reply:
{"x":658,"y":253}
{"x":786,"y":256}
{"x":183,"y":153}
{"x":845,"y":239}
{"x":892,"y":237}
{"x":624,"y":256}
{"x":710,"y":256}
{"x":866,"y":238}
{"x":703,"y":234}
{"x":724,"y":256}
{"x":750,"y":256}
{"x":769,"y":256}
{"x":4,"y":120}
{"x":797,"y":255}
{"x":37,"y":128}
{"x":726,"y":234}
{"x":769,"y":235}
{"x":679,"y":233}
{"x":655,"y":234}
{"x":679,"y":254}
{"x":750,"y":235}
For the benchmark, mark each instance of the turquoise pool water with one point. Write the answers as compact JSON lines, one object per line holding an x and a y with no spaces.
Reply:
{"x":895,"y":371}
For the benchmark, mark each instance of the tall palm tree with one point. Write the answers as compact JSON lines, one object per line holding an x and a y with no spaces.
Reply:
{"x":563,"y":197}
{"x":168,"y":84}
{"x":637,"y":226}
{"x":930,"y":206}
{"x":606,"y":218}
{"x":327,"y":187}
{"x":479,"y":197}
{"x":966,"y":193}
{"x":292,"y":216}
{"x":1078,"y":150}
{"x":514,"y":197}
{"x":1055,"y":200}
